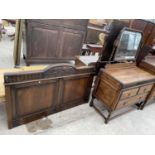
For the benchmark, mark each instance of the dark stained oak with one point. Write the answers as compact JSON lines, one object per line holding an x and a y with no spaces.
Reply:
{"x":29,"y":103}
{"x":53,"y":40}
{"x":31,"y":95}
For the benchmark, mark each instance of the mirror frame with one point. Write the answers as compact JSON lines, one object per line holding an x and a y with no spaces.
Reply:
{"x":118,"y":39}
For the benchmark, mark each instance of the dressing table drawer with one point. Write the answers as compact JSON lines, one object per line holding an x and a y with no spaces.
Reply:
{"x":129,"y":93}
{"x":145,"y":89}
{"x":131,"y":101}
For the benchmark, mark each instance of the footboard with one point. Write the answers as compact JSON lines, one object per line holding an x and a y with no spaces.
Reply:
{"x":32,"y":95}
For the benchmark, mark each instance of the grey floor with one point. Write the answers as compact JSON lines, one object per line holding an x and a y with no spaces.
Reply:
{"x":79,"y":120}
{"x":6,"y":53}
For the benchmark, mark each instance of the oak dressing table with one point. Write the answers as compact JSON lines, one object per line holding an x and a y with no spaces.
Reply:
{"x":121,"y":83}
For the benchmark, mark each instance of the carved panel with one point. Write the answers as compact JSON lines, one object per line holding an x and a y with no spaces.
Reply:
{"x":51,"y":71}
{"x":31,"y":96}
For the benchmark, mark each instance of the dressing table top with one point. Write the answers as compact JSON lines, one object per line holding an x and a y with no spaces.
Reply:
{"x":128,"y":73}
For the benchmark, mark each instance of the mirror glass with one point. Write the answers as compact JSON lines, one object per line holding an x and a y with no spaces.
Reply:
{"x":128,"y":45}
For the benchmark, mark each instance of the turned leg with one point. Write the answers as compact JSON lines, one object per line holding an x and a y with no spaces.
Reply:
{"x":138,"y":106}
{"x":92,"y":101}
{"x":108,"y":117}
{"x":142,"y":106}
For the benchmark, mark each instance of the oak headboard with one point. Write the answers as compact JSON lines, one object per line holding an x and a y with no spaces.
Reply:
{"x":31,"y":95}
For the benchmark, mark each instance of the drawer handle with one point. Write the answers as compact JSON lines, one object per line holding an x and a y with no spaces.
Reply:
{"x":129,"y":94}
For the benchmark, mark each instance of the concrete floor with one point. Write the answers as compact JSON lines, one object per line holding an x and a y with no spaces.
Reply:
{"x":79,"y":120}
